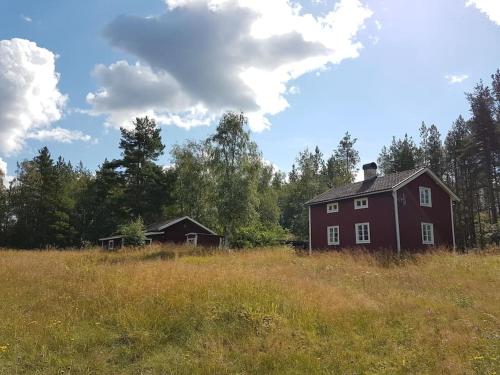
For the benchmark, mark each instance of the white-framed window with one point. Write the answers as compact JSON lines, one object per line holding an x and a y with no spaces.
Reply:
{"x":362,"y":233}
{"x":333,"y":235}
{"x":332,"y":207}
{"x":425,"y":196}
{"x":192,"y":239}
{"x":428,"y":234}
{"x":360,"y":203}
{"x":111,"y":244}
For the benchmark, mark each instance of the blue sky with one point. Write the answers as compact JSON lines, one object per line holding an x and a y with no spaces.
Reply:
{"x":378,"y":69}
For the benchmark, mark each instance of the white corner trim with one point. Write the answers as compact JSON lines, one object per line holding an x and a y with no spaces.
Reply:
{"x":396,"y":220}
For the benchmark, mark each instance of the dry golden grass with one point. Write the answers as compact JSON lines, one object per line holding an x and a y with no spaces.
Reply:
{"x":251,"y":312}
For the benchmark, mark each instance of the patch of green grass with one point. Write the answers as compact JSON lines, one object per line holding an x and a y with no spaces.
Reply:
{"x":251,"y":312}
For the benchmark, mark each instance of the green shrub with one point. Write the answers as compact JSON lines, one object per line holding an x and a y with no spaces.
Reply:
{"x":259,"y":235}
{"x":134,"y":233}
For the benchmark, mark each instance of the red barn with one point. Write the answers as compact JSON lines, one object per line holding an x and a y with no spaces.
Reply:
{"x":405,"y":210}
{"x":183,"y":230}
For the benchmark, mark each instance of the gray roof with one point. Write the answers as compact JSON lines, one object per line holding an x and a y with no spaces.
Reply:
{"x":373,"y":185}
{"x":156,"y":227}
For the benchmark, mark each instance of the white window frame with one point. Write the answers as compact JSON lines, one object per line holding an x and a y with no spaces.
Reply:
{"x":362,"y":241}
{"x":422,"y":190}
{"x":332,"y":207}
{"x":429,"y":241}
{"x":331,"y":241}
{"x":111,"y":244}
{"x":192,"y":239}
{"x":362,"y":206}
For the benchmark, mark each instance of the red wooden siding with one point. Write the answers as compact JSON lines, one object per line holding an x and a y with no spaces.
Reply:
{"x":411,"y":214}
{"x":177,"y":234}
{"x":380,"y":215}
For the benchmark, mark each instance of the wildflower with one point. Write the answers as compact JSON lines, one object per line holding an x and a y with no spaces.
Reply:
{"x":3,"y":348}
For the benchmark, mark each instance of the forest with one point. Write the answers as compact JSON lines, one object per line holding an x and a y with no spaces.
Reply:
{"x":224,"y":182}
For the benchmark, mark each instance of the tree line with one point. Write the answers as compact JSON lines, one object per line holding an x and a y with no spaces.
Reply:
{"x":224,"y":182}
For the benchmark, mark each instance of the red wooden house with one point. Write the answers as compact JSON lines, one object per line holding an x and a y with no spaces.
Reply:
{"x":405,"y":210}
{"x":183,"y":230}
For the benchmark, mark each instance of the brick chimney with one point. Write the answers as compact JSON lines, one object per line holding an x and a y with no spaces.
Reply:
{"x":370,"y":170}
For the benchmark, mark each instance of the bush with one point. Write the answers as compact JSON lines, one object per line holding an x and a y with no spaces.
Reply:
{"x":134,"y":233}
{"x":492,"y":234}
{"x":259,"y":235}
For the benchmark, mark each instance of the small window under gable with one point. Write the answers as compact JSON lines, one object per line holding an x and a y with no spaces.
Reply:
{"x":360,"y":203}
{"x":425,"y":196}
{"x":333,"y":235}
{"x":428,"y":234}
{"x":332,"y":207}
{"x":362,"y":233}
{"x":111,"y":244}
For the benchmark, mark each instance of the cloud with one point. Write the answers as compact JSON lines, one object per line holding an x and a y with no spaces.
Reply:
{"x":59,"y":135}
{"x":29,"y":97}
{"x":4,"y":177}
{"x":3,"y":167}
{"x":489,"y":7}
{"x":203,"y":57}
{"x":452,"y":79}
{"x":26,"y":18}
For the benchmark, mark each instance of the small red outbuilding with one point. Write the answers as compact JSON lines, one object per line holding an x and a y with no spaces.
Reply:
{"x":183,"y":230}
{"x":405,"y":210}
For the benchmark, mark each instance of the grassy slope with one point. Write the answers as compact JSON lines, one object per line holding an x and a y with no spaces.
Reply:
{"x":248,"y":313}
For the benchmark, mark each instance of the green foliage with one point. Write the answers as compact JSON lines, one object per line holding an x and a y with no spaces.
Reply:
{"x":194,"y":186}
{"x":144,"y":184}
{"x":341,"y":167}
{"x":235,"y":163}
{"x":134,"y":233}
{"x":259,"y":235}
{"x":431,"y":149}
{"x":402,"y":154}
{"x":492,"y":233}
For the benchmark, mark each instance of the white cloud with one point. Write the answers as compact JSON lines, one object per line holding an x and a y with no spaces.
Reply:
{"x":489,"y":7}
{"x":3,"y":167}
{"x":26,"y":18}
{"x":4,"y":177}
{"x":456,"y":78}
{"x":29,"y":97}
{"x":59,"y":135}
{"x":203,"y":57}
{"x":30,"y":100}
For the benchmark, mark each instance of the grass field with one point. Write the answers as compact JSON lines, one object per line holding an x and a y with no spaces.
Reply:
{"x":258,"y":312}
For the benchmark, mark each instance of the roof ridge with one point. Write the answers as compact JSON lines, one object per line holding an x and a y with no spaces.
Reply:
{"x":373,"y":185}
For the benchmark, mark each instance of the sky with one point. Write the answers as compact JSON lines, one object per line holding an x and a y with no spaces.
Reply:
{"x":304,"y":72}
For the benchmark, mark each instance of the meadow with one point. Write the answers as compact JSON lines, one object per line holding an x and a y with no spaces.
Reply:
{"x":268,"y":311}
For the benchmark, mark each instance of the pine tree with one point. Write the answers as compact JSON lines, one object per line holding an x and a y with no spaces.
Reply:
{"x":461,"y":177}
{"x":401,"y":155}
{"x":431,"y":149}
{"x":341,"y":167}
{"x":145,"y":184}
{"x":484,"y":136}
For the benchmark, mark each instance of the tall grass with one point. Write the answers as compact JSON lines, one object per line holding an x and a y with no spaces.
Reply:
{"x":251,"y":312}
